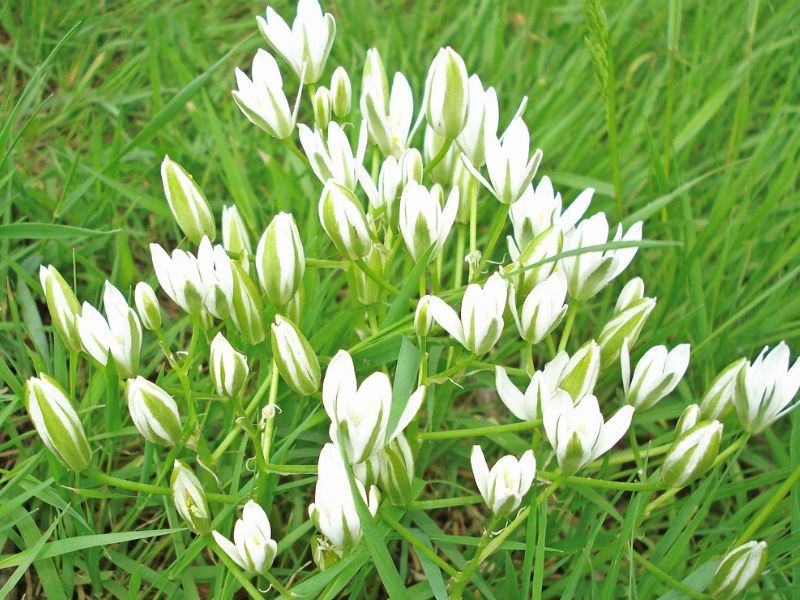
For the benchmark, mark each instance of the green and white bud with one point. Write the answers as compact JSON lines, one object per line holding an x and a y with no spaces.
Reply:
{"x":229,"y":368}
{"x":147,"y":306}
{"x":246,"y":306}
{"x":396,"y":470}
{"x":545,"y":245}
{"x":633,"y":291}
{"x":689,"y":418}
{"x":341,"y":93}
{"x":189,"y":498}
{"x":344,"y":221}
{"x":280,"y":260}
{"x":187,"y":202}
{"x":154,"y":412}
{"x":581,"y":371}
{"x":738,"y":569}
{"x":410,"y":167}
{"x":367,"y":289}
{"x":447,"y":94}
{"x":296,"y":361}
{"x":692,"y":454}
{"x":235,"y":238}
{"x":423,"y":319}
{"x":443,"y":172}
{"x":63,"y":306}
{"x":717,"y":402}
{"x":623,"y":326}
{"x":56,"y":422}
{"x":374,"y":79}
{"x":322,"y":107}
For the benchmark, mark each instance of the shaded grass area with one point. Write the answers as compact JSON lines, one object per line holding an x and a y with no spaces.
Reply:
{"x":708,"y":152}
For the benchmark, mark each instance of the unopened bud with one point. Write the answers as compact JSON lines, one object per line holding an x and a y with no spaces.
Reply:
{"x":692,"y":454}
{"x":187,"y":202}
{"x":147,"y":306}
{"x":296,"y":361}
{"x":189,"y":498}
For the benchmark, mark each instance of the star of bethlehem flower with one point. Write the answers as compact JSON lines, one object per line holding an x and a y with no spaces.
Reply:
{"x":253,"y":548}
{"x":503,"y":487}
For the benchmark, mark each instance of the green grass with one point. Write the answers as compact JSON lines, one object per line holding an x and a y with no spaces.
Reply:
{"x":707,"y":146}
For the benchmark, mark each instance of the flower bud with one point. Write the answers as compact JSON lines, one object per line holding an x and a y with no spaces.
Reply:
{"x":154,"y":412}
{"x":187,"y":202}
{"x":63,"y":306}
{"x":718,"y":400}
{"x":280,"y":260}
{"x":253,"y":548}
{"x":423,"y":319}
{"x":623,"y":326}
{"x":341,"y":93}
{"x":367,"y":289}
{"x":229,"y":368}
{"x":147,"y":306}
{"x":396,"y":470}
{"x":689,"y":418}
{"x":296,"y":361}
{"x":633,"y":291}
{"x":542,"y":310}
{"x":179,"y":278}
{"x":546,"y":244}
{"x":189,"y":498}
{"x":322,"y":107}
{"x":411,"y":166}
{"x":581,"y":372}
{"x":235,"y":238}
{"x":692,"y":454}
{"x":344,"y":221}
{"x":424,"y":222}
{"x":447,"y":94}
{"x":389,"y":187}
{"x":506,"y":483}
{"x":246,"y":306}
{"x":373,"y":77}
{"x":56,"y":422}
{"x":738,"y":569}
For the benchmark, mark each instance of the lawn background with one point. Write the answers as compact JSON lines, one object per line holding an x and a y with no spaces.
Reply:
{"x":707,"y":100}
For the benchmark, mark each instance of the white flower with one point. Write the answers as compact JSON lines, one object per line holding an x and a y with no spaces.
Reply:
{"x":447,"y":94}
{"x":153,"y":411}
{"x":262,"y":99}
{"x":510,"y":165}
{"x":389,"y":125}
{"x":423,"y":220}
{"x":542,"y":309}
{"x":332,"y":158}
{"x":657,"y":373}
{"x":506,"y":483}
{"x":307,"y":44}
{"x":253,"y":548}
{"x":189,"y":498}
{"x":334,"y":510}
{"x":361,"y":413}
{"x":578,"y":433}
{"x":482,"y":119}
{"x":765,"y":388}
{"x":216,"y":275}
{"x":481,"y":321}
{"x":280,"y":259}
{"x":590,"y":272}
{"x":228,"y":368}
{"x":56,"y":422}
{"x":120,"y":333}
{"x":577,"y":374}
{"x":179,"y":277}
{"x":537,"y":209}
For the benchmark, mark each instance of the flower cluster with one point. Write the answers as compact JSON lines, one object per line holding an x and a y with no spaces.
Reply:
{"x":393,"y":227}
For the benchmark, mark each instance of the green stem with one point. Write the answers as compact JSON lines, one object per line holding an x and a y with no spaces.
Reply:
{"x":296,"y":151}
{"x":494,"y":236}
{"x":447,"y":502}
{"x":375,"y":277}
{"x":279,"y":587}
{"x":73,"y":375}
{"x":233,"y":435}
{"x":551,"y":347}
{"x":458,"y":263}
{"x":146,"y":488}
{"x":418,"y":544}
{"x":326,"y":264}
{"x":668,"y":579}
{"x":769,"y":508}
{"x":438,"y":158}
{"x":269,"y":426}
{"x":473,"y":227}
{"x":479,"y":431}
{"x":234,"y":569}
{"x":629,"y":486}
{"x":529,"y":359}
{"x":460,"y":580}
{"x":573,"y":310}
